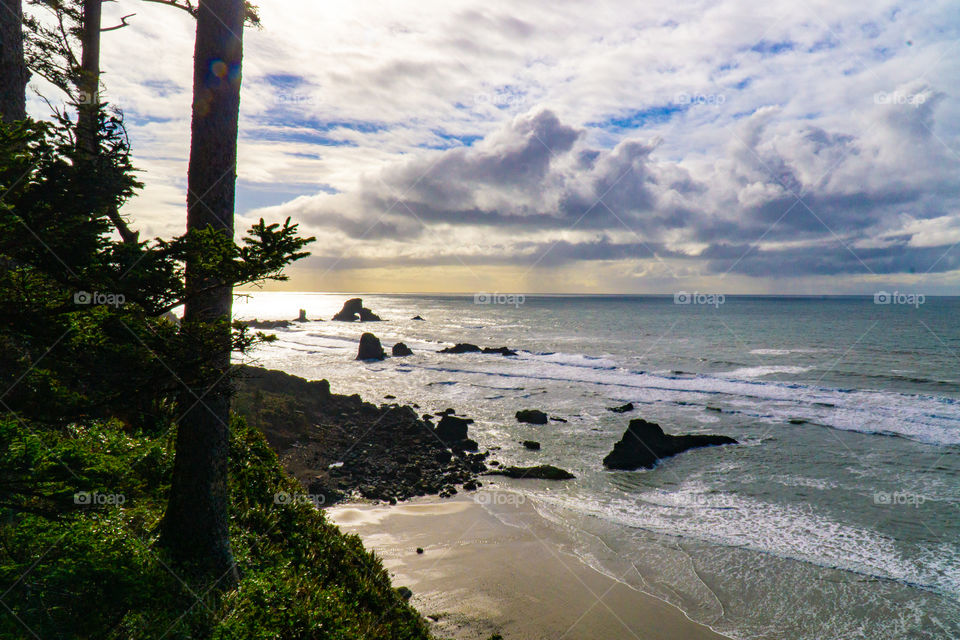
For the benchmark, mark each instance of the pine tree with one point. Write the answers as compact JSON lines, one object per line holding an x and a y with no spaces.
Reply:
{"x":195,"y":526}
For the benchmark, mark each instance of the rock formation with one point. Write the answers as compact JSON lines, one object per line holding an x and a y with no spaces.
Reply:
{"x":370,"y":348}
{"x":399,"y":350}
{"x":532,"y":416}
{"x":540,"y":472}
{"x":354,"y":310}
{"x":644,"y":444}
{"x":462,"y":347}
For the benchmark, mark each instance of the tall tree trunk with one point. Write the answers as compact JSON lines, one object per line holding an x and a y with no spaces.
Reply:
{"x":195,"y":526}
{"x":13,"y":68}
{"x":88,"y":102}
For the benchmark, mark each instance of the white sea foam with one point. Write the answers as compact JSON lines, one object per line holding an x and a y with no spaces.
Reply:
{"x":759,"y":372}
{"x":929,"y":419}
{"x":925,"y":418}
{"x":788,"y":531}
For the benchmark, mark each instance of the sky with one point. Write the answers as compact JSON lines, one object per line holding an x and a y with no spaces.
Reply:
{"x":788,"y":146}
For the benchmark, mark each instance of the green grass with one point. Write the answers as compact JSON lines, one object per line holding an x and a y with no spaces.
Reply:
{"x":76,"y":571}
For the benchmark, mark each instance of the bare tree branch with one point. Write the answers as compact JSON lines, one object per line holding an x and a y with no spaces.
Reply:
{"x":123,"y":23}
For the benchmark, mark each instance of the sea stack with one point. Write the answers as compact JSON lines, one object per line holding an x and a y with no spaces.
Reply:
{"x":400,"y":350}
{"x":370,"y":348}
{"x":644,"y":444}
{"x":531,"y":416}
{"x":354,"y":310}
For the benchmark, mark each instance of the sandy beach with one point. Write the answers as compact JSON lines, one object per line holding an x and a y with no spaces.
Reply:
{"x":491,"y":564}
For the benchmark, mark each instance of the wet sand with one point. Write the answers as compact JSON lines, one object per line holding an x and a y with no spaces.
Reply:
{"x":492,"y":564}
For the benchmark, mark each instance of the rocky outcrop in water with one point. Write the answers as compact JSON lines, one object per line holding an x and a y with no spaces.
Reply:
{"x":624,"y":408}
{"x":462,"y":347}
{"x":644,"y":444}
{"x":540,"y":472}
{"x":267,"y":324}
{"x":353,"y":310}
{"x":400,"y":350}
{"x":504,"y":351}
{"x":532,"y":416}
{"x":370,"y":348}
{"x":466,"y":347}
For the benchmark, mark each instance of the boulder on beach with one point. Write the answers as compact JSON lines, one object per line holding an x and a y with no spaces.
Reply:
{"x":540,"y":472}
{"x":644,"y":444}
{"x":532,"y":416}
{"x":532,"y":445}
{"x":354,"y":310}
{"x":462,"y":347}
{"x":416,"y":318}
{"x":370,"y":348}
{"x":624,"y":408}
{"x":452,"y":429}
{"x":302,"y":317}
{"x":399,"y":350}
{"x":466,"y":444}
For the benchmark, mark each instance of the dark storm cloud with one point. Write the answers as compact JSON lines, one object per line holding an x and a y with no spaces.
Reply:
{"x":833,"y":259}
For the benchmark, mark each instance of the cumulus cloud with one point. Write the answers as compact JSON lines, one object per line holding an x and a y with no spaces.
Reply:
{"x":833,"y":192}
{"x":711,"y":138}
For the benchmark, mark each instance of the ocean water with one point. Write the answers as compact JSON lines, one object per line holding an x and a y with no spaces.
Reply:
{"x":837,"y":517}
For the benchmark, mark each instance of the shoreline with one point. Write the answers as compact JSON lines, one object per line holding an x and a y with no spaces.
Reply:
{"x":492,"y":564}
